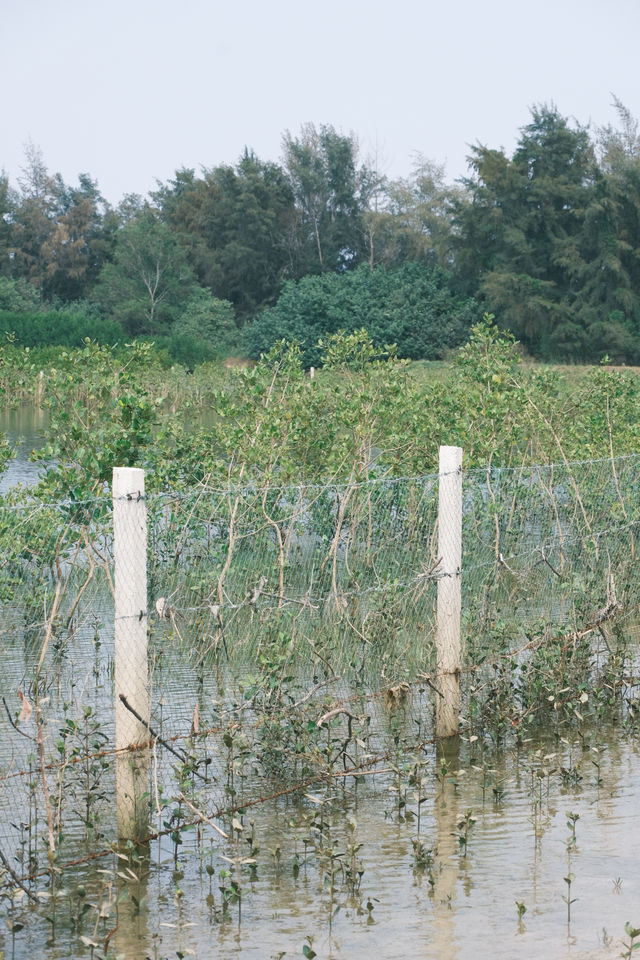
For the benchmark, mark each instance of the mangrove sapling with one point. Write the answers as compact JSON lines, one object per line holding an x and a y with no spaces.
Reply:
{"x":39,"y":739}
{"x":568,"y":899}
{"x":276,"y":854}
{"x":417,"y":780}
{"x":572,"y":819}
{"x":82,"y":907}
{"x":230,"y":894}
{"x":228,"y":739}
{"x":254,"y":850}
{"x":331,"y":868}
{"x":14,"y":925}
{"x":570,"y":776}
{"x":422,"y":856}
{"x":488,"y":780}
{"x":499,"y":793}
{"x":442,"y":771}
{"x":633,"y":933}
{"x":464,"y":826}
{"x":570,"y":844}
{"x":354,"y":869}
{"x":81,"y":744}
{"x":307,"y":948}
{"x":174,"y":824}
{"x":209,"y":868}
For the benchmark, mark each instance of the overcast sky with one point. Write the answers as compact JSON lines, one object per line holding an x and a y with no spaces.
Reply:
{"x":131,"y":90}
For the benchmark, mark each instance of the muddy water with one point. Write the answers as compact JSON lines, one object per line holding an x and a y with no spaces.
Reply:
{"x":462,"y":904}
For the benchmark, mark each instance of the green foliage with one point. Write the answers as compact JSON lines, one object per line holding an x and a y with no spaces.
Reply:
{"x":6,"y":210}
{"x":185,"y":349}
{"x":412,"y":307}
{"x":410,"y":219}
{"x":633,"y":933}
{"x":18,"y":295}
{"x":483,"y":403}
{"x":148,"y":280}
{"x":6,"y":453}
{"x":273,"y":424}
{"x":330,"y":189}
{"x":544,"y":240}
{"x":258,"y":418}
{"x":235,"y":224}
{"x":366,"y":412}
{"x":101,"y":416}
{"x":210,"y":320}
{"x":66,"y":328}
{"x":59,"y":235}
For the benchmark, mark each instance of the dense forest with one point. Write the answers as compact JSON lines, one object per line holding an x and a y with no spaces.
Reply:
{"x":230,"y":259}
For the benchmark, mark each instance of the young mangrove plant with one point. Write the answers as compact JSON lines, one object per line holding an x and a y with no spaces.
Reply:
{"x":634,"y":944}
{"x":464,"y":826}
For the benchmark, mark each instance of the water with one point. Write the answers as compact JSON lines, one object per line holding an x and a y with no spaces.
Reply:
{"x":461,"y":906}
{"x":23,"y":427}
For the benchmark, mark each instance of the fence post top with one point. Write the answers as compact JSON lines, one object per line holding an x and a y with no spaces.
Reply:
{"x":128,"y":480}
{"x":450,"y":459}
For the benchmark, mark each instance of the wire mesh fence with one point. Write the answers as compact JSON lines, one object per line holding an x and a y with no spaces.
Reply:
{"x":290,"y":637}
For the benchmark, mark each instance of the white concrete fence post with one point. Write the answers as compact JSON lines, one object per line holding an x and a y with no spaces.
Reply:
{"x":449,"y":604}
{"x":130,"y":633}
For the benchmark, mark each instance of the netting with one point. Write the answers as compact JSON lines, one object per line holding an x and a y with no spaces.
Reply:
{"x":291,"y":638}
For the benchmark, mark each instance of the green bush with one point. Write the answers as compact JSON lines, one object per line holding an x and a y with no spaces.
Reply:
{"x":185,"y":349}
{"x":65,"y":328}
{"x":18,"y":294}
{"x":412,"y":307}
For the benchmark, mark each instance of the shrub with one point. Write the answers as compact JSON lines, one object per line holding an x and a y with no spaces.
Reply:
{"x":412,"y":307}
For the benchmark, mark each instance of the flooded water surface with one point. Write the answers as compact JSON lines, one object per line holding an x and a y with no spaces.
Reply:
{"x":346,"y":870}
{"x":23,"y":427}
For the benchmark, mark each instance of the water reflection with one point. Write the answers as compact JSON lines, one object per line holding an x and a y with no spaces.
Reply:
{"x":446,"y":815}
{"x":24,"y":427}
{"x":131,"y":934}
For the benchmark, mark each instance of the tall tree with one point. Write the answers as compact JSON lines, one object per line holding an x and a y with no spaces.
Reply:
{"x":235,"y":224}
{"x":33,"y":218}
{"x":522,"y":232}
{"x":149,"y":280}
{"x":329,"y":189}
{"x":60,"y":235}
{"x":613,"y":286}
{"x":79,"y":244}
{"x":6,"y":217}
{"x":413,"y":220}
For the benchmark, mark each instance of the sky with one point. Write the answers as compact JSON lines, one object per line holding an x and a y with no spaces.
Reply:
{"x":129,"y":91}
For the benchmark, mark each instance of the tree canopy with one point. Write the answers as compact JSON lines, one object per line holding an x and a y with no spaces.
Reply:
{"x":547,"y":239}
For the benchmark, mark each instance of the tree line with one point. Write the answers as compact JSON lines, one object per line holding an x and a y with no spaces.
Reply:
{"x":235,"y":257}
